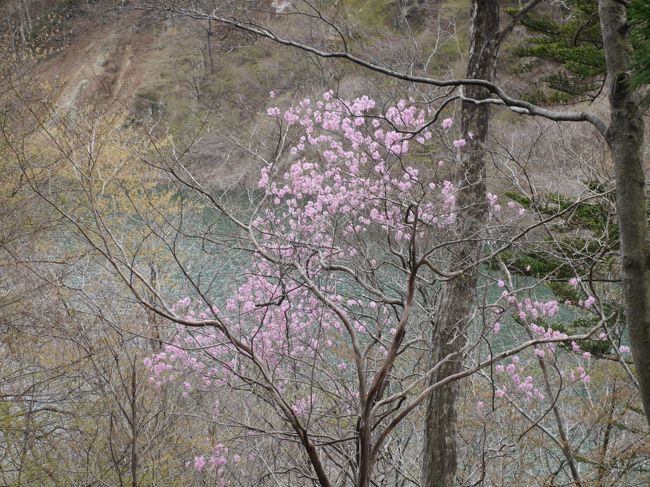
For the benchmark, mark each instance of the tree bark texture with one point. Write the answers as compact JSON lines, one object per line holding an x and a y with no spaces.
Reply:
{"x":625,"y":138}
{"x":458,"y":296}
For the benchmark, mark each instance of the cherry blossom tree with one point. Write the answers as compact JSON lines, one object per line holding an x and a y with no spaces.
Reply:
{"x":326,"y":333}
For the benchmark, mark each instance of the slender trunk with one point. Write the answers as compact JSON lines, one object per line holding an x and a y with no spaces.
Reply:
{"x":134,"y":424}
{"x":625,"y":138}
{"x":602,"y":465}
{"x":565,"y":442}
{"x":21,"y":24}
{"x":208,"y":40}
{"x":12,"y":37}
{"x":365,"y":466}
{"x":459,"y":295}
{"x":154,"y":319}
{"x":28,"y":16}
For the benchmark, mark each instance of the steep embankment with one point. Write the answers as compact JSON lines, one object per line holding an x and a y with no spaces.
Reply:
{"x":187,"y":78}
{"x":107,"y":58}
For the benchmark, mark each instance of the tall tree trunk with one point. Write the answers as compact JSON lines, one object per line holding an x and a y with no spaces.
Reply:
{"x":625,"y":138}
{"x":458,"y":295}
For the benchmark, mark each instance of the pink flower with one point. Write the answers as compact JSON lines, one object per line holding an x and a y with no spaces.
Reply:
{"x":199,"y":463}
{"x":573,"y":281}
{"x":500,"y":283}
{"x":447,"y":123}
{"x":589,"y":302}
{"x":624,"y":349}
{"x":496,"y":328}
{"x":459,"y":143}
{"x":499,"y":393}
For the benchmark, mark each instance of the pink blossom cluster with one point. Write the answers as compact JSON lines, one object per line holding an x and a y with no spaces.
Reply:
{"x":303,"y":406}
{"x":520,"y":374}
{"x":349,"y":177}
{"x":586,"y":303}
{"x":495,"y":207}
{"x":516,"y":372}
{"x":216,"y":462}
{"x":550,"y":333}
{"x":529,"y":309}
{"x":285,"y":326}
{"x":278,"y":321}
{"x":166,"y":366}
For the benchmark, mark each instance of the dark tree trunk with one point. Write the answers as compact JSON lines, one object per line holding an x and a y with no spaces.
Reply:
{"x":625,"y":138}
{"x":458,"y":295}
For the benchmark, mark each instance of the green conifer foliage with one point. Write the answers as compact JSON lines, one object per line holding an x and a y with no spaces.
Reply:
{"x":571,"y":43}
{"x":639,"y":16}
